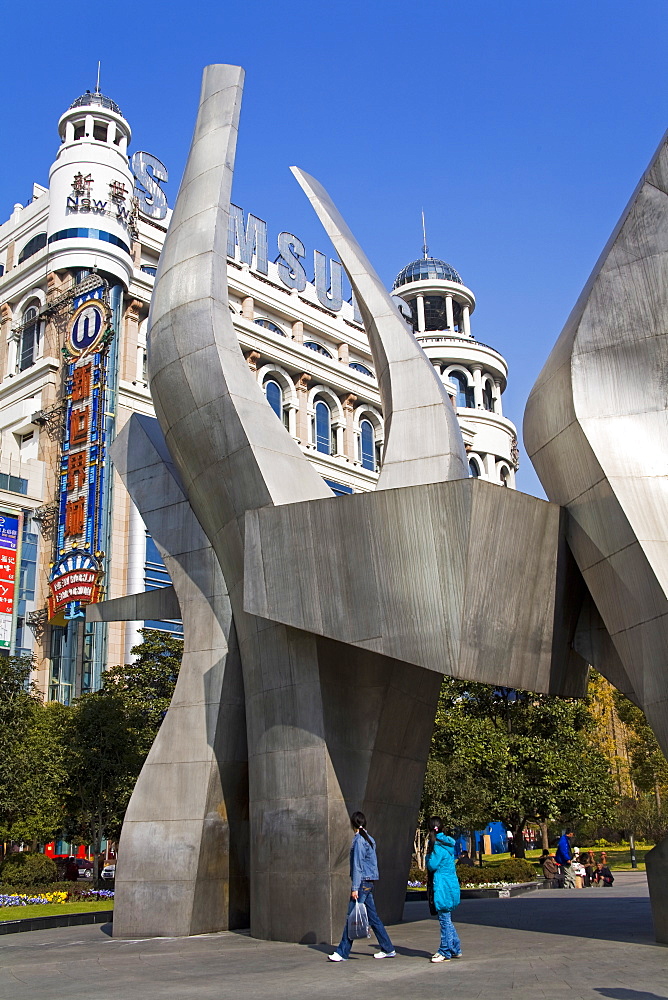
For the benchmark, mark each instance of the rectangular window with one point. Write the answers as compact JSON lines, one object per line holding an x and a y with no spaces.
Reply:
{"x":14,"y":484}
{"x":29,"y":345}
{"x":338,"y":488}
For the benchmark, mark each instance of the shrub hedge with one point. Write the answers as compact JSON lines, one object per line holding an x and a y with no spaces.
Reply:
{"x":28,"y":869}
{"x":513,"y":870}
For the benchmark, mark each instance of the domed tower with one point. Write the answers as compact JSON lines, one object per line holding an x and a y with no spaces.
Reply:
{"x":91,"y":190}
{"x":474,"y":374}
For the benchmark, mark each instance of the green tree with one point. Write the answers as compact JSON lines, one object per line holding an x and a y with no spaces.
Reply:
{"x":643,"y":812}
{"x":147,"y":685}
{"x":32,"y":750}
{"x":18,"y":701}
{"x":514,"y":756}
{"x":41,"y":800}
{"x":110,"y":735}
{"x":104,"y":761}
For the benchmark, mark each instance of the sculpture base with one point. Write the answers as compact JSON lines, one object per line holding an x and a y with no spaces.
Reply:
{"x":656,"y":862}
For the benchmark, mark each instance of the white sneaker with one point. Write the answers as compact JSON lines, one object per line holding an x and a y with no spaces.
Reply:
{"x":439,"y":958}
{"x":335,"y":957}
{"x":386,"y":954}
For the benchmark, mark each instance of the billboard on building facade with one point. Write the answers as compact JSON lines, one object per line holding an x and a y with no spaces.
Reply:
{"x":9,"y":542}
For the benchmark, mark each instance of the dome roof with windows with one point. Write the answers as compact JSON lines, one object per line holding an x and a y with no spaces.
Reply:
{"x":425,"y":269}
{"x":96,"y":100}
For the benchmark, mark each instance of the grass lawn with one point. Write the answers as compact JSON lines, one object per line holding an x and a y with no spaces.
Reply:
{"x":52,"y":909}
{"x":619,"y":858}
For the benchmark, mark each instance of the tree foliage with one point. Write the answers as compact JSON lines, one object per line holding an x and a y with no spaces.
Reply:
{"x":513,"y":756}
{"x":644,"y":811}
{"x":110,"y":734}
{"x":71,"y":769}
{"x":32,"y":772}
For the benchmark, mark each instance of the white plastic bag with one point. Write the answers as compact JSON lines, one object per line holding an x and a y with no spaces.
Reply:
{"x":358,"y":922}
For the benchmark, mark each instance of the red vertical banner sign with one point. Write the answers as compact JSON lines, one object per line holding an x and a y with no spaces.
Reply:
{"x":9,"y":550}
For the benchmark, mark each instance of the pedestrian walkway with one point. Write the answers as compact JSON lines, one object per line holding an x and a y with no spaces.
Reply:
{"x":548,"y":945}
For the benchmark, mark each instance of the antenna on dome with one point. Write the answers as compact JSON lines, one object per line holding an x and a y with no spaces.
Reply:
{"x":97,"y":85}
{"x":425,"y":248}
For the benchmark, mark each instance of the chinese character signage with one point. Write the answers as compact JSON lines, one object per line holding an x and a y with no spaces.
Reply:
{"x":75,"y":578}
{"x":76,"y":575}
{"x":9,"y":537}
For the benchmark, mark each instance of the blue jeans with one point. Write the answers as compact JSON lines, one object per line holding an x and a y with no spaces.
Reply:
{"x":450,"y":943}
{"x":365,"y":895}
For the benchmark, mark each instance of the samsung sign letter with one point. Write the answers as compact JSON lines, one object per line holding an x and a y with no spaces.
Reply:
{"x":290,"y":269}
{"x":249,"y":237}
{"x":149,"y":173}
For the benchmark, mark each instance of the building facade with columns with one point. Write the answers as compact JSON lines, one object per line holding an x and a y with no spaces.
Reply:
{"x":77,"y":268}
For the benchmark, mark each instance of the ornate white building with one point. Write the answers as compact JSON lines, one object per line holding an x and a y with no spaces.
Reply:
{"x":77,"y":267}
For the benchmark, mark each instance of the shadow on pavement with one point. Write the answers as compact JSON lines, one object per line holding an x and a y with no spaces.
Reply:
{"x":597,"y":917}
{"x":619,"y":993}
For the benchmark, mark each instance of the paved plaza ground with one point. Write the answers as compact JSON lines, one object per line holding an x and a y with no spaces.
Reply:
{"x":590,"y":943}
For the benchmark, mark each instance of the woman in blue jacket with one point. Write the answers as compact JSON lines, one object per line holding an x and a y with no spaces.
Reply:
{"x":445,"y":887}
{"x":363,"y":875}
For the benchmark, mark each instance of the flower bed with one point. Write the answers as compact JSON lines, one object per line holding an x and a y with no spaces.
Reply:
{"x":54,"y":898}
{"x":496,"y":876}
{"x":486,"y":885}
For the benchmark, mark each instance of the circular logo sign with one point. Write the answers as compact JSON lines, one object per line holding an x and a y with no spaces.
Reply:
{"x":88,"y":325}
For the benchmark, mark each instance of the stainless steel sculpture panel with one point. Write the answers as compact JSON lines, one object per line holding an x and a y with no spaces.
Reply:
{"x":232,"y":455}
{"x":338,"y":690}
{"x":183,"y":853}
{"x":423,"y":440}
{"x":463,"y":578}
{"x":596,"y":428}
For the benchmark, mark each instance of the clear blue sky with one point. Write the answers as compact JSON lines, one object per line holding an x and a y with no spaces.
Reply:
{"x":521,"y":127}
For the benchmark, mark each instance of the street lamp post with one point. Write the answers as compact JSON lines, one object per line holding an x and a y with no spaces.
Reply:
{"x":632,"y":845}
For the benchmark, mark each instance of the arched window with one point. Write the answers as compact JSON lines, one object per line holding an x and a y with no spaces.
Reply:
{"x":312,"y":346}
{"x":487,"y":397}
{"x":464,"y":390}
{"x":474,"y":469}
{"x":274,"y":394}
{"x":323,"y":428}
{"x":361,"y":368}
{"x":368,"y":445}
{"x":29,"y":343}
{"x":268,"y":325}
{"x":504,"y":472}
{"x":34,"y":245}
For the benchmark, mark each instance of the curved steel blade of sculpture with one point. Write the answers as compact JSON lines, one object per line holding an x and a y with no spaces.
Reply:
{"x":602,"y":392}
{"x":423,"y":440}
{"x":190,"y":802}
{"x":318,"y":713}
{"x":596,"y":428}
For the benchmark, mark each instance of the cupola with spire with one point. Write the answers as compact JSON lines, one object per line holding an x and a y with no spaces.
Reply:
{"x":91,"y":189}
{"x":438,"y":298}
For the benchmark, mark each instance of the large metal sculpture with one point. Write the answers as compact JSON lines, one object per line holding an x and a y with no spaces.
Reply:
{"x":596,"y":428}
{"x":297,"y":704}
